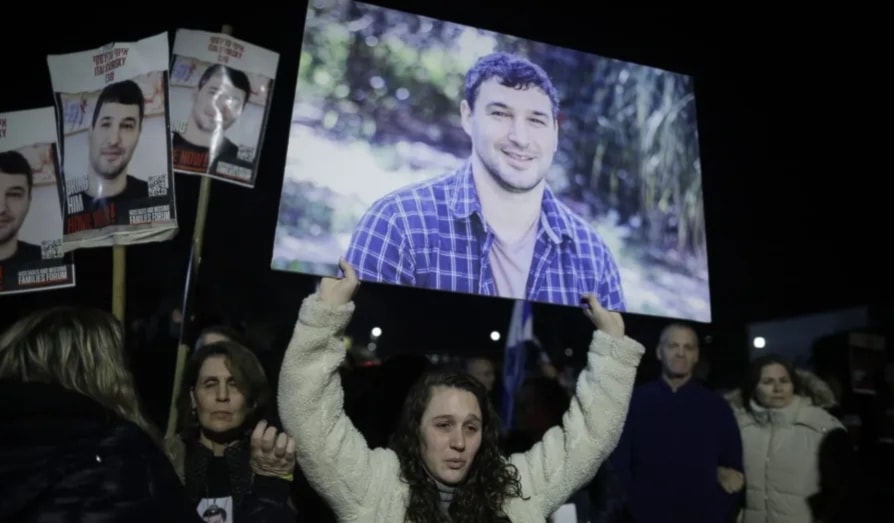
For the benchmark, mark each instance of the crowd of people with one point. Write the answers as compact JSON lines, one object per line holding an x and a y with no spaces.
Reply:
{"x":78,"y":445}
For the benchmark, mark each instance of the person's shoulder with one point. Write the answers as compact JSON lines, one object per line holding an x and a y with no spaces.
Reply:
{"x":136,"y":188}
{"x":25,"y":252}
{"x":137,"y":454}
{"x":424,"y":189}
{"x":710,"y":396}
{"x":580,"y":229}
{"x":644,"y":400}
{"x":645,"y":390}
{"x":819,"y":418}
{"x":132,"y":469}
{"x":30,"y":250}
{"x":137,"y":182}
{"x":417,"y":195}
{"x":112,"y":446}
{"x":126,"y":436}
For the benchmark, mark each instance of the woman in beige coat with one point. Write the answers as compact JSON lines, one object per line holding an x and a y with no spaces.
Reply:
{"x":444,"y":463}
{"x":781,"y":413}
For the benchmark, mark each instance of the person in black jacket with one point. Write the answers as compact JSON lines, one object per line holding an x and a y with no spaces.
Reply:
{"x":230,"y":458}
{"x":74,"y":444}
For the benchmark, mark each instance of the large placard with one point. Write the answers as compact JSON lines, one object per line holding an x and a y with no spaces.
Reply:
{"x":437,"y":155}
{"x":112,"y":109}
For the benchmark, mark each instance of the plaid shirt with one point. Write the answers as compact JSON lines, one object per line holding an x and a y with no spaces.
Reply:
{"x":433,"y":235}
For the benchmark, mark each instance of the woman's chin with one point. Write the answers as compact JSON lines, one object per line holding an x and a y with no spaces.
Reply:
{"x":451,"y":477}
{"x":220,"y":432}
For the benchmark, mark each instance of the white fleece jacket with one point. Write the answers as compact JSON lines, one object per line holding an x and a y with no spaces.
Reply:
{"x":363,"y":485}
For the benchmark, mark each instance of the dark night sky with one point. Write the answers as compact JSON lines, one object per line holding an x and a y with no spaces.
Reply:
{"x":791,"y":196}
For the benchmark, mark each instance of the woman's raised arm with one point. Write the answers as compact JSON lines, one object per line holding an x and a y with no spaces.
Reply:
{"x":330,"y":451}
{"x":569,"y":456}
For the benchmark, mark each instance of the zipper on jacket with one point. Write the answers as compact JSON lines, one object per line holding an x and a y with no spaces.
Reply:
{"x":767,"y":474}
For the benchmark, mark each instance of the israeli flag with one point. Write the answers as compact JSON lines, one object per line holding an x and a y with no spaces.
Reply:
{"x":521,"y":331}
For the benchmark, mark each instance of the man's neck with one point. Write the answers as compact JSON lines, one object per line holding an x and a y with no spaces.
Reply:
{"x":675,"y":382}
{"x":99,"y":187}
{"x":510,"y":215}
{"x":196,"y":136}
{"x":9,"y":247}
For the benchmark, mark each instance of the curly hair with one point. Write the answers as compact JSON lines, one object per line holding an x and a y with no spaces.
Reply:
{"x":491,"y":480}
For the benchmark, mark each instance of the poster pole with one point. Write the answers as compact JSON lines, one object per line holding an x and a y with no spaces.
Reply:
{"x":119,"y":281}
{"x":195,"y":260}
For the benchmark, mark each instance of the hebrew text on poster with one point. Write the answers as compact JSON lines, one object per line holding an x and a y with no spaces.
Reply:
{"x":221,"y":89}
{"x":112,"y":110}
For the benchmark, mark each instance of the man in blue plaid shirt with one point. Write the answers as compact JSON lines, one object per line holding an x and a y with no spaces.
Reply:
{"x":493,"y":227}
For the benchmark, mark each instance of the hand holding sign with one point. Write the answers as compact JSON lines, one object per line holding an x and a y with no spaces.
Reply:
{"x":610,"y":322}
{"x":339,"y":291}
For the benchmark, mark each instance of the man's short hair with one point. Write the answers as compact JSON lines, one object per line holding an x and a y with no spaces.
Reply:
{"x":14,"y":162}
{"x":512,"y":71}
{"x":126,"y":92}
{"x":662,"y":339}
{"x":235,"y":76}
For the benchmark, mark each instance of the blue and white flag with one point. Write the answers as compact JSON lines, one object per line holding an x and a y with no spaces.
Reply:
{"x":521,"y":331}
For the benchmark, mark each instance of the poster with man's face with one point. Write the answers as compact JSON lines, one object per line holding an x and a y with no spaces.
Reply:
{"x":112,"y":112}
{"x":216,"y":509}
{"x":31,"y":251}
{"x":220,"y":99}
{"x":446,"y":157}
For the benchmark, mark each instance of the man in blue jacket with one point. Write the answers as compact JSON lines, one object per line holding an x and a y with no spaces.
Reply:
{"x":680,"y":454}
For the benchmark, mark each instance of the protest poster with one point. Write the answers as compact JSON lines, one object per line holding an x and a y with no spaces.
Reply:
{"x":220,"y":99}
{"x":112,"y":111}
{"x":442,"y":156}
{"x":31,"y":195}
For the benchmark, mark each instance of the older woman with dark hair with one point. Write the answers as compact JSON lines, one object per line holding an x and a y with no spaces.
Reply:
{"x":444,"y":463}
{"x":222,"y":436}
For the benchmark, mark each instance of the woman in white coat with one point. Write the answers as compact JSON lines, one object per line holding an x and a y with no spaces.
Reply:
{"x":444,"y":463}
{"x":783,"y":420}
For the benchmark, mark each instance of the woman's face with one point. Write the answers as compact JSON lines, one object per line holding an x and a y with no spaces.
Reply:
{"x":220,"y":405}
{"x":775,"y":388}
{"x":451,"y":434}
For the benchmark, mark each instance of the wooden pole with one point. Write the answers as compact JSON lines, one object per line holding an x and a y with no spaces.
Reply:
{"x":119,"y":280}
{"x":195,"y":259}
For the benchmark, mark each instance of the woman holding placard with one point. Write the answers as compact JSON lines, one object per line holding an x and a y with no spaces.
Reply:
{"x":444,"y":463}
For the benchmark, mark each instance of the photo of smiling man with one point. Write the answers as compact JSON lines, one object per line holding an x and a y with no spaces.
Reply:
{"x":31,"y":253}
{"x":492,"y":227}
{"x":220,"y":89}
{"x":221,"y":96}
{"x":112,"y":110}
{"x":113,"y":137}
{"x":453,"y":158}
